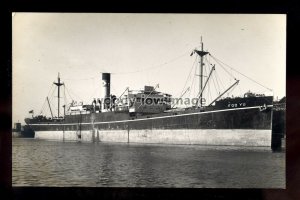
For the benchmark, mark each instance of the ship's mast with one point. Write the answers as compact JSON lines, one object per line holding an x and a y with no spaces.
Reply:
{"x":201,"y":53}
{"x":201,"y":74}
{"x":58,"y":84}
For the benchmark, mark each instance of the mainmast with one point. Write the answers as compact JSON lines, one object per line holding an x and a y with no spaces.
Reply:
{"x":201,"y":74}
{"x":201,"y":53}
{"x":58,"y":84}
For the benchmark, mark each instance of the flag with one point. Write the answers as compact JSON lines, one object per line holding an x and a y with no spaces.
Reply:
{"x":31,"y":111}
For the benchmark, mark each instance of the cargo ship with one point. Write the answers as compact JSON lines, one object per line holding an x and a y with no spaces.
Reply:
{"x":149,"y":116}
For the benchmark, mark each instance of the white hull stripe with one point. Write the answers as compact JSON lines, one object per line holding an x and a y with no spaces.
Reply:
{"x":162,"y":117}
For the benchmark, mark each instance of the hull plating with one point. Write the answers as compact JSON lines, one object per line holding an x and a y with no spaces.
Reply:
{"x":246,"y":127}
{"x":239,"y":137}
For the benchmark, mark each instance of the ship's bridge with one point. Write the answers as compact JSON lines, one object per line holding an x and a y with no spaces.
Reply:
{"x":148,"y":101}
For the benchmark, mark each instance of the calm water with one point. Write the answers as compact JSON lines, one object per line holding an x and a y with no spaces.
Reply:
{"x":49,"y":163}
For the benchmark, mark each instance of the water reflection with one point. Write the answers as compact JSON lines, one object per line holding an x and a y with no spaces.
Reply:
{"x":49,"y":163}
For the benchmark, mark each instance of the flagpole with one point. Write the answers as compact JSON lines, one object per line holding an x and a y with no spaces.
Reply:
{"x":31,"y":112}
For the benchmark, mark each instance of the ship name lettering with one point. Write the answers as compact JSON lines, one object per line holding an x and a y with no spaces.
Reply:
{"x":235,"y":105}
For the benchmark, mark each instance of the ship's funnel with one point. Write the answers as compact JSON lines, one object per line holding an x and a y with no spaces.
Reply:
{"x":106,"y":90}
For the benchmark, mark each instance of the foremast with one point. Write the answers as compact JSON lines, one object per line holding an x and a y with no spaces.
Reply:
{"x":201,"y":53}
{"x":58,"y":84}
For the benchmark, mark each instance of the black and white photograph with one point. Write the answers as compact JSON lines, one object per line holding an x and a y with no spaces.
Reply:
{"x":144,"y":100}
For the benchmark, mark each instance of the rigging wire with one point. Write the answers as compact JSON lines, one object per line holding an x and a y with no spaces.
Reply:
{"x":207,"y":68}
{"x":241,"y":73}
{"x":219,"y":62}
{"x":213,"y":78}
{"x":222,"y":87}
{"x":156,"y":66}
{"x":43,"y":107}
{"x":218,"y":89}
{"x":52,"y":95}
{"x":74,"y":94}
{"x":45,"y":112}
{"x":51,"y":104}
{"x":80,"y":79}
{"x":188,"y":78}
{"x":65,"y":99}
{"x":193,"y":85}
{"x":69,"y":94}
{"x":209,"y":86}
{"x":205,"y":72}
{"x":230,"y":74}
{"x":218,"y":79}
{"x":51,"y":100}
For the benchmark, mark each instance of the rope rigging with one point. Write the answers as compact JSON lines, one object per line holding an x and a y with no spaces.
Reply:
{"x":192,"y":85}
{"x":208,"y":92}
{"x":70,"y":91}
{"x":212,"y":77}
{"x":154,"y":67}
{"x":136,"y":71}
{"x":188,"y":78}
{"x":50,"y":97}
{"x":65,"y":97}
{"x":219,"y":61}
{"x":43,"y":107}
{"x":218,"y":83}
{"x":81,"y":79}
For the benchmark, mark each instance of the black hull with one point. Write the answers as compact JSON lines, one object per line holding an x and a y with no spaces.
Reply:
{"x":222,"y":124}
{"x":246,"y":118}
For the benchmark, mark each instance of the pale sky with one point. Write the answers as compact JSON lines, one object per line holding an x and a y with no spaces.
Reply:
{"x":139,"y":49}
